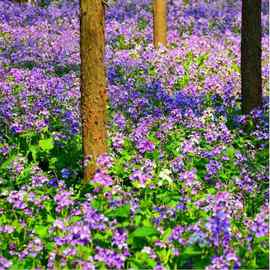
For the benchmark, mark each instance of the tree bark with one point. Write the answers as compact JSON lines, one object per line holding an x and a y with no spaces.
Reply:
{"x":25,"y":1}
{"x":160,"y":22}
{"x":93,"y":83}
{"x":251,"y":77}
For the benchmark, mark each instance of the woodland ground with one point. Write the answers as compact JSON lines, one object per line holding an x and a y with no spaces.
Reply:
{"x":185,"y":182}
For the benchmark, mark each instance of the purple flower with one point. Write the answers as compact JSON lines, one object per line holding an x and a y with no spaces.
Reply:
{"x":177,"y":164}
{"x":63,"y":200}
{"x":80,"y":234}
{"x":119,"y":239}
{"x":212,"y":167}
{"x":65,"y":173}
{"x":110,"y":258}
{"x":6,"y":229}
{"x":159,"y":267}
{"x":145,"y":146}
{"x":4,"y":150}
{"x":140,"y":176}
{"x":118,"y":141}
{"x":39,"y":180}
{"x":102,"y":178}
{"x":104,"y":161}
{"x":33,"y":248}
{"x":85,"y":265}
{"x":188,"y":177}
{"x":58,"y":224}
{"x":259,"y":226}
{"x":53,"y":182}
{"x":16,"y":199}
{"x":119,"y":120}
{"x":176,"y":234}
{"x":93,"y":219}
{"x":219,"y":229}
{"x":150,"y":252}
{"x":188,"y":147}
{"x":4,"y":263}
{"x":225,"y":262}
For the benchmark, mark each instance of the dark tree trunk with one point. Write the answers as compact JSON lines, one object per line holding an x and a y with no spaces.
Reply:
{"x":251,"y":78}
{"x":93,"y":83}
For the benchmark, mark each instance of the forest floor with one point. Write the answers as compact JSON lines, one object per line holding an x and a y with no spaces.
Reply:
{"x":184,"y":184}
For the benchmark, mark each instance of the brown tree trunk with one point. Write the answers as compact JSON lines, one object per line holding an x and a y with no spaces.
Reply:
{"x":23,"y":1}
{"x":251,"y":77}
{"x":160,"y":22}
{"x":93,"y":83}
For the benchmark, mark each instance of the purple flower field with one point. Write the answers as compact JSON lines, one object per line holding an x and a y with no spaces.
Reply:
{"x":185,"y":182}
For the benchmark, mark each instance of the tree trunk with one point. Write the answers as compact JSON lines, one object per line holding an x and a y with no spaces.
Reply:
{"x":25,"y":1}
{"x":93,"y":83}
{"x":251,"y":78}
{"x":160,"y":22}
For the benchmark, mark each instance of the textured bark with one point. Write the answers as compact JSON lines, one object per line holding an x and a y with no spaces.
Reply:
{"x":21,"y":1}
{"x":93,"y":83}
{"x":32,"y":2}
{"x":160,"y":22}
{"x":251,"y":78}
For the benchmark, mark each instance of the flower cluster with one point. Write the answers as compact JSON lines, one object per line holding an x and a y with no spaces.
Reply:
{"x":185,"y":181}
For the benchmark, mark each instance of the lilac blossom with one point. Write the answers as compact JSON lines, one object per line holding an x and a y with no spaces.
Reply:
{"x":153,"y":94}
{"x":102,"y":178}
{"x":110,"y":258}
{"x":119,"y":239}
{"x":63,"y":200}
{"x":4,"y":263}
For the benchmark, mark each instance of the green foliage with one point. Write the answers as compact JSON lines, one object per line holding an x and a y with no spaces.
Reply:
{"x":144,"y":232}
{"x":46,"y":144}
{"x":142,"y":24}
{"x":121,"y":212}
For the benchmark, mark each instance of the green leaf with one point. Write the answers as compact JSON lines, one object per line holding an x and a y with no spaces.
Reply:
{"x":142,"y":24}
{"x":231,"y":152}
{"x":6,"y":163}
{"x":122,"y":211}
{"x":46,"y":144}
{"x":34,"y":150}
{"x":144,"y":259}
{"x":253,"y":264}
{"x":235,"y":67}
{"x":166,"y":234}
{"x":17,"y":225}
{"x":137,"y":219}
{"x":50,"y":219}
{"x":144,"y":232}
{"x":211,"y":190}
{"x":190,"y":251}
{"x":50,"y":246}
{"x":41,"y":231}
{"x":83,"y":250}
{"x":75,"y":219}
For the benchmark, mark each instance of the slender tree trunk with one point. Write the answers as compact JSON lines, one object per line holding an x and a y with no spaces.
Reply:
{"x":93,"y":83}
{"x":160,"y":22}
{"x":25,"y":1}
{"x":251,"y":77}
